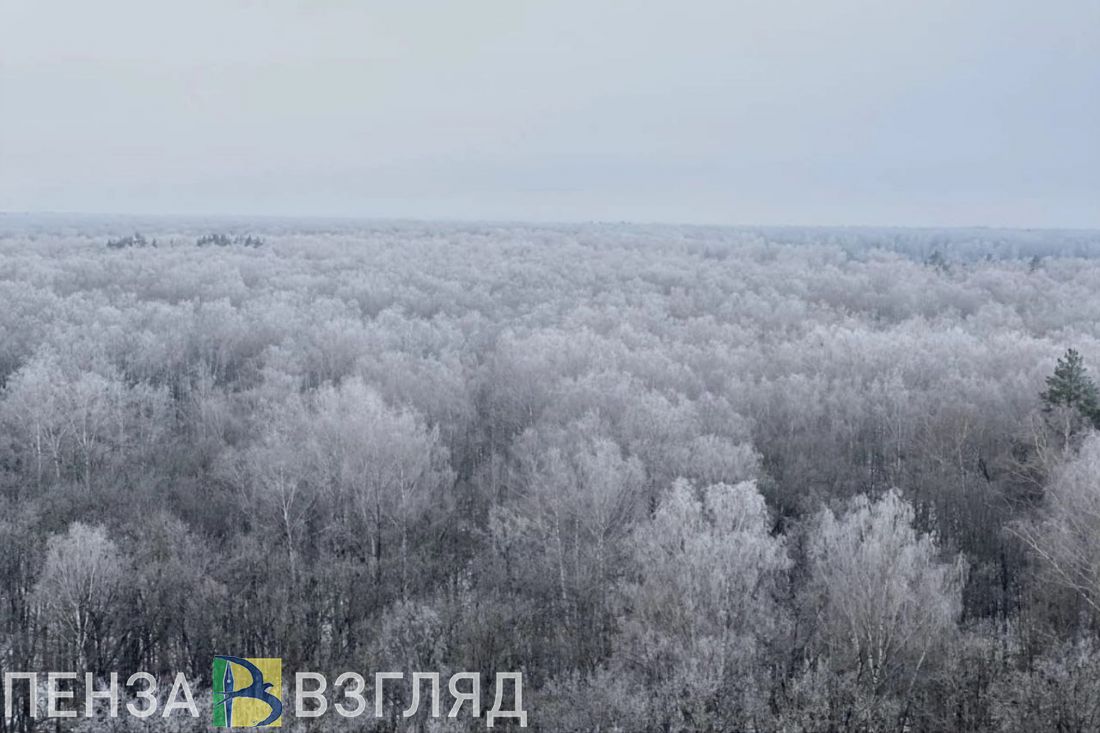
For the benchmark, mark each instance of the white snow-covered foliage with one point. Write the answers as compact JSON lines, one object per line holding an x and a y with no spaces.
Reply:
{"x":683,"y":478}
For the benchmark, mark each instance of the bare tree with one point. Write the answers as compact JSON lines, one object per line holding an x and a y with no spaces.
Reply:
{"x":79,"y":588}
{"x":1066,"y":535}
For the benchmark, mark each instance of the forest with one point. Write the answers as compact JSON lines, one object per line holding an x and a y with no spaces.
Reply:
{"x":682,"y":478}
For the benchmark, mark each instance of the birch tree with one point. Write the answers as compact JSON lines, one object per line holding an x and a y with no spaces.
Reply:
{"x":883,"y":601}
{"x":79,"y":588}
{"x":704,"y":607}
{"x":1066,"y":534}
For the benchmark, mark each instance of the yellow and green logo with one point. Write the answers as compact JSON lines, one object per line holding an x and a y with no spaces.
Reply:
{"x":248,"y":692}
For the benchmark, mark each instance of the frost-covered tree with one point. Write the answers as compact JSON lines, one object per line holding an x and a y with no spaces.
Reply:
{"x":704,"y":607}
{"x":1066,"y":535}
{"x":381,"y":463}
{"x":274,"y":476}
{"x":1071,"y":398}
{"x":574,"y":497}
{"x":79,"y":588}
{"x":74,"y":423}
{"x":883,"y":601}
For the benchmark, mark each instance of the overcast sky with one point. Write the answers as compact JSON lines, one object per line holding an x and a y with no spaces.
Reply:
{"x":923,"y":112}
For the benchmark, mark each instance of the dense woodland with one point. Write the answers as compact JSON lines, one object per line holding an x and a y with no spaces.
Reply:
{"x":684,"y":479}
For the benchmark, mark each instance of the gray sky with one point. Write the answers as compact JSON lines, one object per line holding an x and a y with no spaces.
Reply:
{"x":924,"y":112}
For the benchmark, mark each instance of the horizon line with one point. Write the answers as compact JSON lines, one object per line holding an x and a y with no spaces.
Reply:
{"x":536,"y":222}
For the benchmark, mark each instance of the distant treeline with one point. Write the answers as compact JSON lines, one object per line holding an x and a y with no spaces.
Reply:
{"x":134,"y":240}
{"x":224,"y":240}
{"x":955,"y":245}
{"x":216,"y":240}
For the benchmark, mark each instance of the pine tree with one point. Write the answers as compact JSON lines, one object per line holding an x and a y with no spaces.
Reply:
{"x":937,"y":261}
{"x":1070,"y":386}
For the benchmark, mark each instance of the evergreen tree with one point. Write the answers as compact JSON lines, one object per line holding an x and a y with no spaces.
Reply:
{"x":1071,"y":387}
{"x":937,"y":261}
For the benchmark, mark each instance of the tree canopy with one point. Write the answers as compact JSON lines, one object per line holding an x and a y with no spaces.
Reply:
{"x":683,"y":478}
